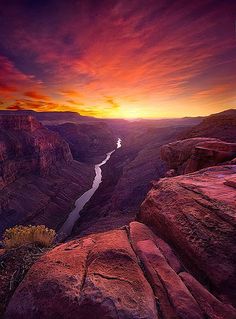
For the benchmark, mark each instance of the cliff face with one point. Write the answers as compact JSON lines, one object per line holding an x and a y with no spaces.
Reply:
{"x":36,"y":167}
{"x":19,"y":122}
{"x":193,"y":154}
{"x":88,"y":141}
{"x":27,"y":147}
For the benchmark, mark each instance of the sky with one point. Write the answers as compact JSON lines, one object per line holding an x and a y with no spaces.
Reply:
{"x":118,"y":58}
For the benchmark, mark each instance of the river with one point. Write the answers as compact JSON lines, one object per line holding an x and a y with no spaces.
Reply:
{"x":68,"y":225}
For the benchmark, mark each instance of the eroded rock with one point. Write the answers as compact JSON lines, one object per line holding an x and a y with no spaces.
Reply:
{"x":190,"y":155}
{"x":196,"y":213}
{"x":94,"y":277}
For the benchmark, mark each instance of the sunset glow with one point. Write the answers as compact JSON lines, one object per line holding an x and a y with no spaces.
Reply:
{"x":118,"y":59}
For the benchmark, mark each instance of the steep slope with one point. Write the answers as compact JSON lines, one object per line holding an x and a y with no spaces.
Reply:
{"x":126,"y":179}
{"x":88,"y":141}
{"x":27,"y":147}
{"x":220,"y":125}
{"x":36,"y":165}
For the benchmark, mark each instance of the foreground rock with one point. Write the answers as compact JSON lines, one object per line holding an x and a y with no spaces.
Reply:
{"x":196,"y":213}
{"x":95,"y":277}
{"x":125,"y":273}
{"x":193,"y":154}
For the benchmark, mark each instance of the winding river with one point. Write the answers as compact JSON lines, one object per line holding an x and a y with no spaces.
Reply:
{"x":67,"y":227}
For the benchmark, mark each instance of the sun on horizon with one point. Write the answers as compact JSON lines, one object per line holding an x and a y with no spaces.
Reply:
{"x":118,"y":60}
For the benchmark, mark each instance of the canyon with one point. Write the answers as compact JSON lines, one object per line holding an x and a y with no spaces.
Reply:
{"x":36,"y":165}
{"x":156,"y":240}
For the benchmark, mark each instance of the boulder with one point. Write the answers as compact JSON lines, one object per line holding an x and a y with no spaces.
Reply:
{"x":94,"y":277}
{"x":140,"y":232}
{"x":196,"y":214}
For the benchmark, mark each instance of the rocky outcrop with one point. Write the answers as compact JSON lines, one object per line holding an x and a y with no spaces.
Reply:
{"x":19,"y":122}
{"x":187,"y":156}
{"x":126,"y":273}
{"x":196,"y":213}
{"x":88,"y":141}
{"x":95,"y":277}
{"x":27,"y":147}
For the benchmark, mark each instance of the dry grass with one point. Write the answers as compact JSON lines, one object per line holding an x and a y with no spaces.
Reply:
{"x":21,"y":235}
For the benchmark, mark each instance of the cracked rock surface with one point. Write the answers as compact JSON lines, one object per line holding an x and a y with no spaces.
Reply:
{"x":124,"y":273}
{"x":196,"y":214}
{"x":177,"y":262}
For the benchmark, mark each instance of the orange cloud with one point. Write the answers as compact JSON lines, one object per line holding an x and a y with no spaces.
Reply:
{"x":148,"y":59}
{"x":4,"y":88}
{"x":37,"y":96}
{"x":71,"y":93}
{"x":15,"y":107}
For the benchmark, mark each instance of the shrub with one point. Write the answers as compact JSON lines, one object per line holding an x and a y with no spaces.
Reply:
{"x":21,"y":235}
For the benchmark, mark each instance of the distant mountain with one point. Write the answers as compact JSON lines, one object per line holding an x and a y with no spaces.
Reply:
{"x":50,"y":116}
{"x":220,"y":125}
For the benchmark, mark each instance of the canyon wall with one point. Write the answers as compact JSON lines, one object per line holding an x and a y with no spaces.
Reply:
{"x":89,"y":142}
{"x":36,"y":167}
{"x":27,"y":147}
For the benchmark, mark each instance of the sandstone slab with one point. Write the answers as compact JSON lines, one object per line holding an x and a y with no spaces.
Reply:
{"x":94,"y":277}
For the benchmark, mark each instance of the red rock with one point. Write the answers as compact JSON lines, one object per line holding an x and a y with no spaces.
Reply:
{"x":177,"y":302}
{"x":88,"y":141}
{"x":196,"y":213}
{"x":19,"y":122}
{"x":140,"y":232}
{"x":231,"y":182}
{"x":190,"y":155}
{"x":210,"y":305}
{"x":27,"y":147}
{"x":36,"y":165}
{"x":94,"y":277}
